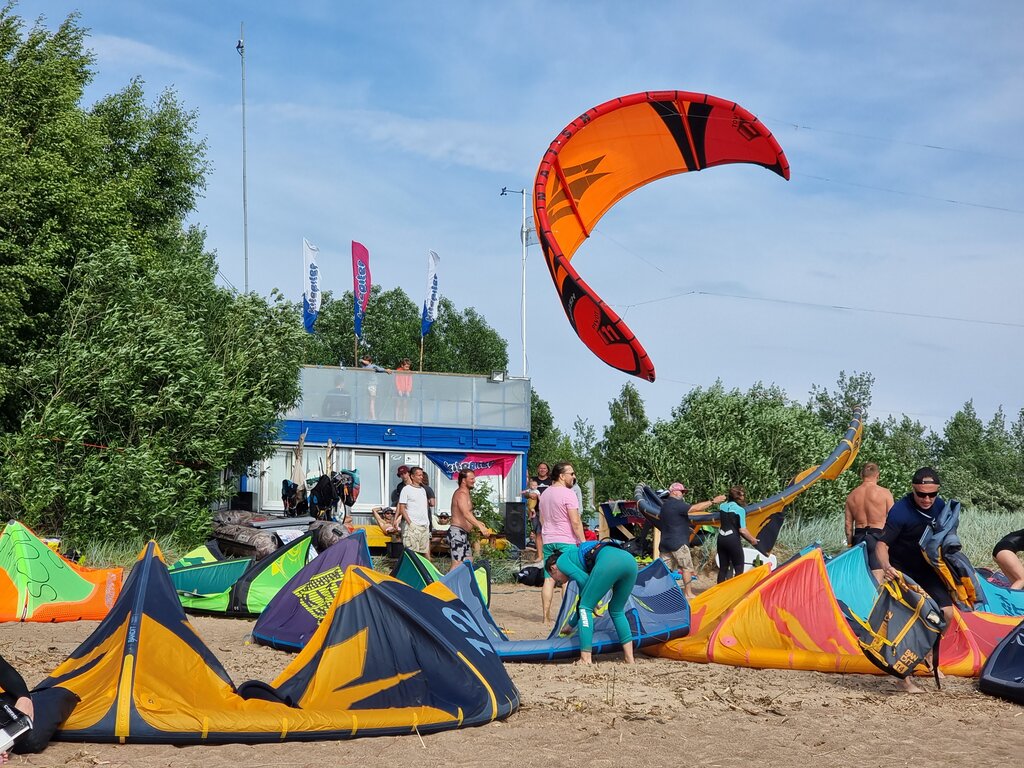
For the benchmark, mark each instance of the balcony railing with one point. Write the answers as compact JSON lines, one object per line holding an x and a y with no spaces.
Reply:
{"x":426,"y":399}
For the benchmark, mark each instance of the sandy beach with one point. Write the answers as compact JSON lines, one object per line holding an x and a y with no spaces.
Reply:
{"x":658,"y":712}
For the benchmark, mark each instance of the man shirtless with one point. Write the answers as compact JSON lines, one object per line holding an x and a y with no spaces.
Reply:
{"x":463,"y":519}
{"x":866,"y":508}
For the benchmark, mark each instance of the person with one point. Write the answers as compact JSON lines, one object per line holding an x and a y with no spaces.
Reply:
{"x":414,"y":510}
{"x":532,"y":496}
{"x":866,"y":508}
{"x":674,"y":548}
{"x":1005,"y":555}
{"x":385,"y":519}
{"x":732,"y":524}
{"x":371,"y":389}
{"x":338,"y":403}
{"x":560,"y":521}
{"x":14,"y":685}
{"x":898,"y":548}
{"x":543,"y":477}
{"x":463,"y":519}
{"x":611,"y":568}
{"x":403,"y":389}
{"x":403,"y":480}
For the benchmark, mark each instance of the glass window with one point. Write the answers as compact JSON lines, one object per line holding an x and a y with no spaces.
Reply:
{"x":276,"y":469}
{"x":371,"y":477}
{"x":444,"y":489}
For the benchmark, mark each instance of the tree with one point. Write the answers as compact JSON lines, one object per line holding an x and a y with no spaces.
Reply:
{"x":74,"y":181}
{"x":458,"y":342}
{"x":545,"y":437}
{"x":833,"y":409}
{"x":158,"y":383}
{"x":628,"y":423}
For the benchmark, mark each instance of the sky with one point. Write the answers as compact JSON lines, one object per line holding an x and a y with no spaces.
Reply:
{"x":894,"y":249}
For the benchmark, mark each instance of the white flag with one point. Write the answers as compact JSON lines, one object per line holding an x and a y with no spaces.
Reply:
{"x":311,"y":283}
{"x":433,"y":295}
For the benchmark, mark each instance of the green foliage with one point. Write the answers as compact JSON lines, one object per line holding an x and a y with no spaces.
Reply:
{"x":484,"y":508}
{"x":75,"y":181}
{"x":158,"y":382}
{"x":458,"y":342}
{"x":982,"y":464}
{"x":628,"y":423}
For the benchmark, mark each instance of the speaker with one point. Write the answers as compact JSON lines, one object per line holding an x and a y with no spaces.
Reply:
{"x":515,"y":523}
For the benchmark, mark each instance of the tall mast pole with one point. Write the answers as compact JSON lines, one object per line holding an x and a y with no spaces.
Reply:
{"x":524,"y":236}
{"x":245,"y":190}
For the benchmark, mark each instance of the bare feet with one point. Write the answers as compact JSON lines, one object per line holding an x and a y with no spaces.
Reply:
{"x":906,"y":685}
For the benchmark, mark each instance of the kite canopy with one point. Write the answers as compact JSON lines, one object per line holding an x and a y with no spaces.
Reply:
{"x":608,"y":152}
{"x":1003,"y":674}
{"x":38,"y":584}
{"x":292,"y":617}
{"x":417,"y":571}
{"x":794,"y":618}
{"x":656,"y":611}
{"x":241,"y":587}
{"x":386,"y":660}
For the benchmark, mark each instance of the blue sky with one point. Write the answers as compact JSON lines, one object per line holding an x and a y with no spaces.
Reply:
{"x":396,"y":124}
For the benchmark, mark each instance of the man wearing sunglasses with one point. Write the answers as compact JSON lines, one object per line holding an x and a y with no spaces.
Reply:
{"x":899,"y":547}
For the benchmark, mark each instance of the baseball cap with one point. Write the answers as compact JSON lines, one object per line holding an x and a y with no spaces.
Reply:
{"x":925,"y":475}
{"x":403,"y":469}
{"x":677,"y":487}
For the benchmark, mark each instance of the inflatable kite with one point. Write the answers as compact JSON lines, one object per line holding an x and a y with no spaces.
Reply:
{"x":38,"y":584}
{"x":608,"y":152}
{"x":386,"y":660}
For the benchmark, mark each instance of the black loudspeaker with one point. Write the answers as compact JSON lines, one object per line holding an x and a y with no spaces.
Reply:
{"x":243,"y":501}
{"x":515,"y":523}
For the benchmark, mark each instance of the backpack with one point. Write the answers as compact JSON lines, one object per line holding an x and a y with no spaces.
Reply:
{"x":589,"y":553}
{"x":940,"y":544}
{"x":903,"y":626}
{"x":531,"y":576}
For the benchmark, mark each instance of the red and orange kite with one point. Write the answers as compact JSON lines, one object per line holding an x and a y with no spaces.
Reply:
{"x":606,"y":153}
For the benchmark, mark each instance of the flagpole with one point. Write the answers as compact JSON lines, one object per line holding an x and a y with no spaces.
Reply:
{"x":421,"y":354}
{"x":240,"y":47}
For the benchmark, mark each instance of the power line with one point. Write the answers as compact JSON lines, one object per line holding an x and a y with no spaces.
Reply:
{"x":840,"y":307}
{"x":910,"y":194}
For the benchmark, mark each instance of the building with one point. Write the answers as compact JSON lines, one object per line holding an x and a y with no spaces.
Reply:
{"x":378,"y":421}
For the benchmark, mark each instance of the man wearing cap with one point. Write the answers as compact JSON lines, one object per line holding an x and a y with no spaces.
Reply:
{"x":403,"y":480}
{"x":899,"y":547}
{"x":675,"y":533}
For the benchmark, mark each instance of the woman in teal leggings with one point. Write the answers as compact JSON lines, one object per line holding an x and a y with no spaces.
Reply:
{"x":606,"y":568}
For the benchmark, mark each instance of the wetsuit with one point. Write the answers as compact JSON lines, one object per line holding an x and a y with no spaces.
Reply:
{"x":731,"y":518}
{"x":12,"y":682}
{"x":614,"y":569}
{"x":870,"y":537}
{"x":902,"y":532}
{"x":1011,"y":542}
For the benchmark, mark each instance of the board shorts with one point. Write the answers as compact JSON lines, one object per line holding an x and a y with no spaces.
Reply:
{"x":458,"y":543}
{"x":870,"y":537}
{"x":416,"y":538}
{"x":678,"y":559}
{"x":549,"y":550}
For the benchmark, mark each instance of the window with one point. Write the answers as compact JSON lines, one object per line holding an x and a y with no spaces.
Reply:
{"x":371,"y":478}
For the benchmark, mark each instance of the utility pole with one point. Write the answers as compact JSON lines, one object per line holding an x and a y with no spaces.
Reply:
{"x":524,"y":233}
{"x":240,"y":47}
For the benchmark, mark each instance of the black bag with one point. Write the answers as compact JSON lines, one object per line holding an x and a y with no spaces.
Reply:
{"x":531,"y":576}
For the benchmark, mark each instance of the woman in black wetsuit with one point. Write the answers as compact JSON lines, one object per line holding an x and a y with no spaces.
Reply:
{"x":732,"y":524}
{"x":1005,"y":555}
{"x":14,"y":685}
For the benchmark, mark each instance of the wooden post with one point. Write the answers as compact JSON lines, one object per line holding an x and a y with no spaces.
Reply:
{"x":421,"y":354}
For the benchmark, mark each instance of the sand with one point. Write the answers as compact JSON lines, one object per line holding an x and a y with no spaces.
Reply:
{"x":658,"y":712}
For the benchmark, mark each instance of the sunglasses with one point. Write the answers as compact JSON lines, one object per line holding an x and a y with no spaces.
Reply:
{"x":923,"y":495}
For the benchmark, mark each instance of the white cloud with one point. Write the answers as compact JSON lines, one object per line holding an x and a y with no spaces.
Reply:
{"x":123,"y":52}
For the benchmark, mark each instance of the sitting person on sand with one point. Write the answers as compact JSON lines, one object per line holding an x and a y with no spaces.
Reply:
{"x":597,"y":567}
{"x":1005,"y":555}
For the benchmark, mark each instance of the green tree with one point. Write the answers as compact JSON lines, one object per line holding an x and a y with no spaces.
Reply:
{"x":73,"y":181}
{"x":833,"y":408}
{"x":979,"y":462}
{"x":628,"y":423}
{"x":458,"y":342}
{"x":158,"y":383}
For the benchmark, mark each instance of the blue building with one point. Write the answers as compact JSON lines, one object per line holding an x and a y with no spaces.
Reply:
{"x":376,"y":422}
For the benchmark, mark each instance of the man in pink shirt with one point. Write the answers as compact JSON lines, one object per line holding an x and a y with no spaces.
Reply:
{"x":561,"y":523}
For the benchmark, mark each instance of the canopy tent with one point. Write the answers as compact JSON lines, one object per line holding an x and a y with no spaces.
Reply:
{"x":292,"y":616}
{"x":386,"y":660}
{"x":38,"y":584}
{"x":238,"y":592}
{"x":656,"y":611}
